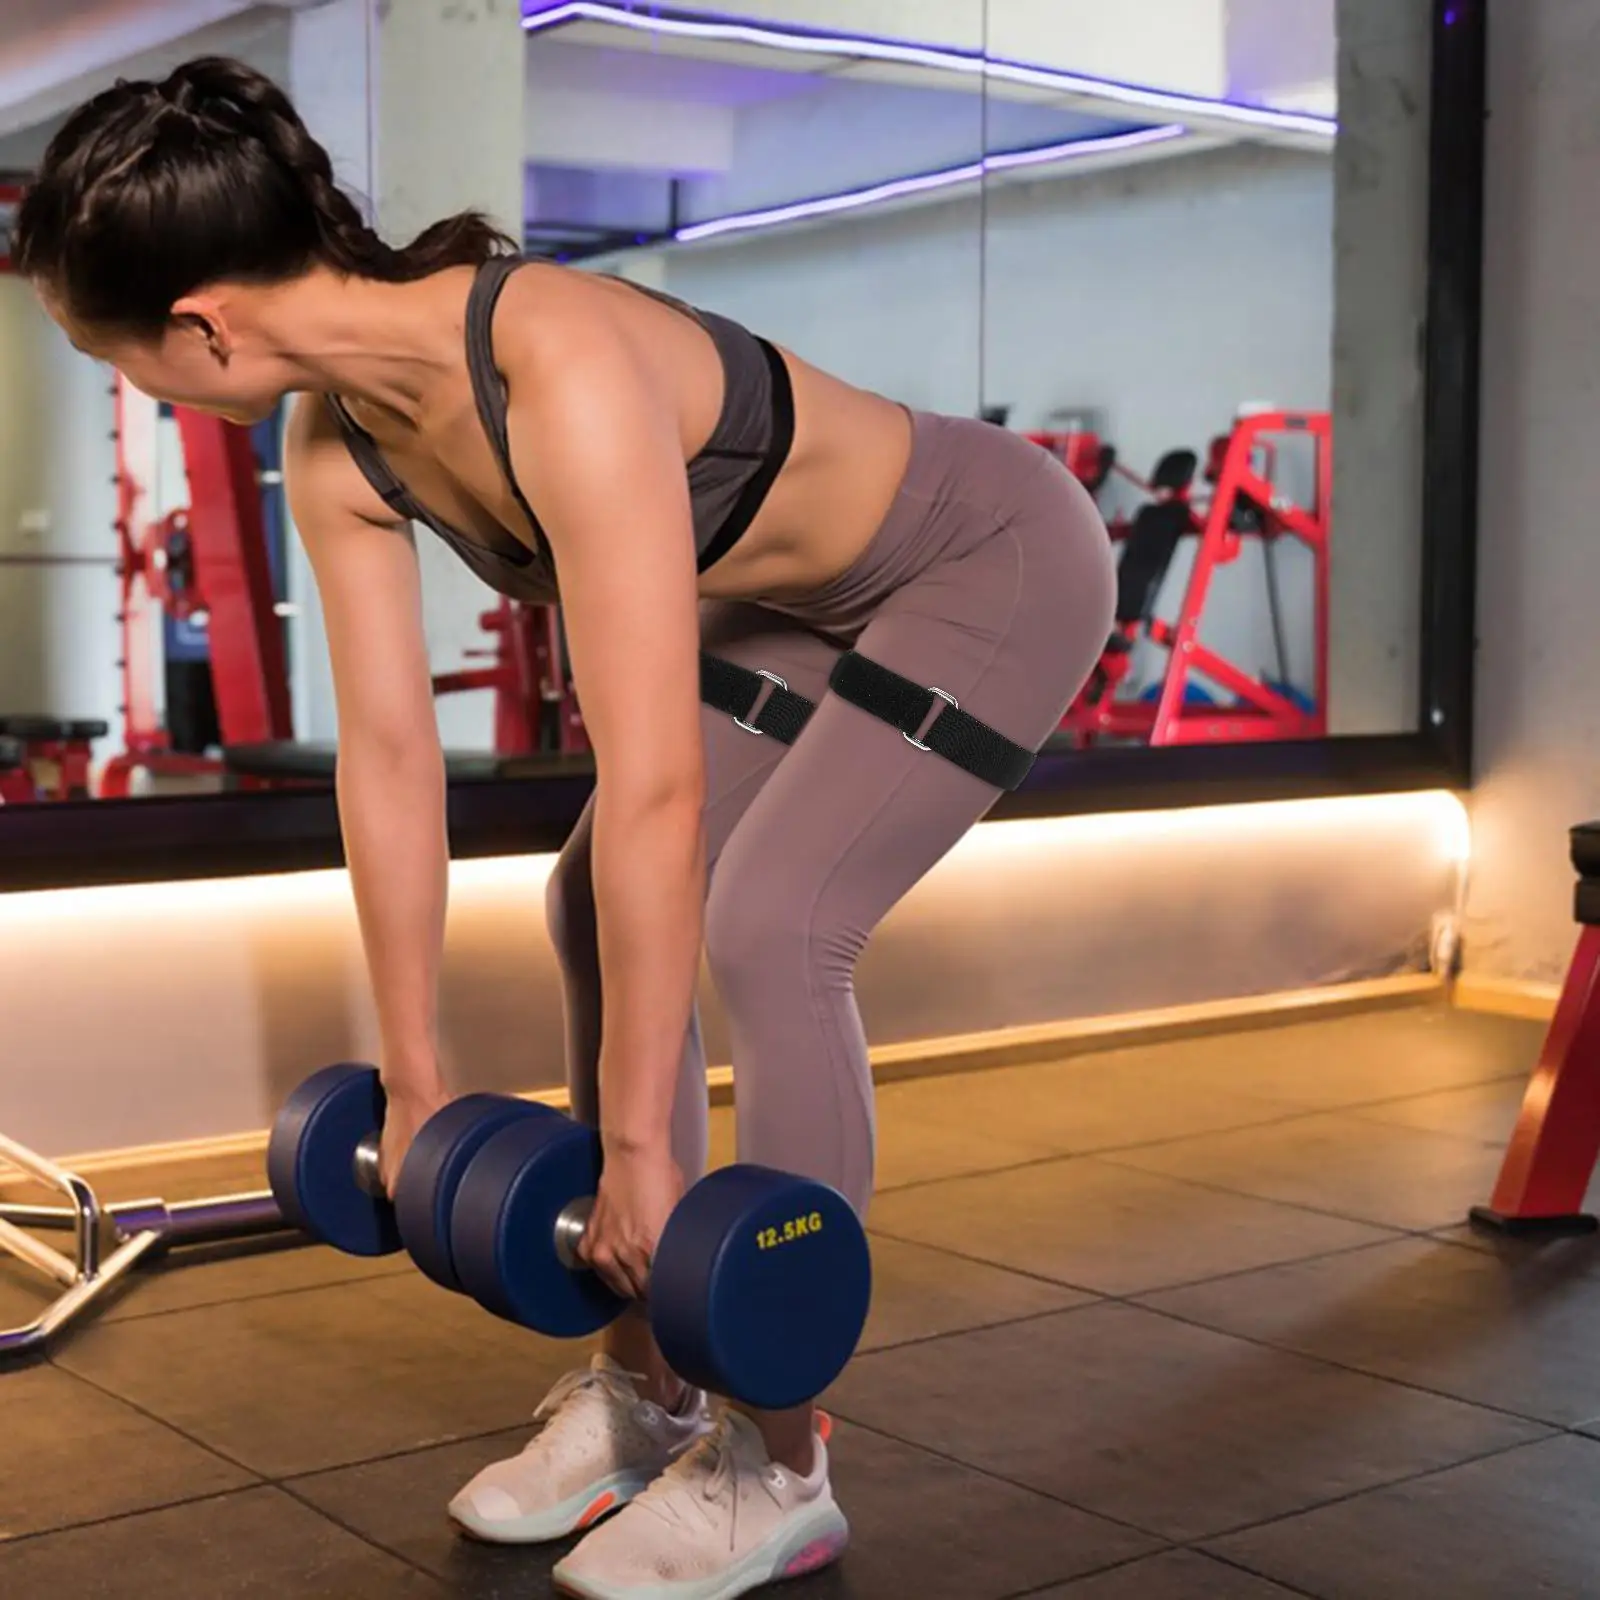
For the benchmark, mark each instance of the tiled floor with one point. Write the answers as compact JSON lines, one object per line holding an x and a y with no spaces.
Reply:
{"x":1188,"y":1322}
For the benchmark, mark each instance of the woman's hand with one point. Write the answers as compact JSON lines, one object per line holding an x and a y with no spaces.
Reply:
{"x":637,"y":1192}
{"x":404,"y":1114}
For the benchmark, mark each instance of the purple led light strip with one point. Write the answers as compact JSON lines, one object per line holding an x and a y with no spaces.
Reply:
{"x":800,"y":42}
{"x":950,"y":177}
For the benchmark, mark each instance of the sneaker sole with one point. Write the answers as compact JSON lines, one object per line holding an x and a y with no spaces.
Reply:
{"x":581,"y":1511}
{"x":815,"y":1540}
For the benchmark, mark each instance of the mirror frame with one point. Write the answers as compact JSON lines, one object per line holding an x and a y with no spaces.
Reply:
{"x":73,"y":844}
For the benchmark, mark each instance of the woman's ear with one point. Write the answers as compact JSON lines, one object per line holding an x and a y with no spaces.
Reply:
{"x":201,"y":316}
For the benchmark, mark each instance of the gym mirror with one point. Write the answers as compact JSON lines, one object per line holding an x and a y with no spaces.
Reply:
{"x":1208,"y":298}
{"x":1216,"y":256}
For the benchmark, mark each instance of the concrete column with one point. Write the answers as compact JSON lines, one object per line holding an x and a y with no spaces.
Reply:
{"x":331,"y":82}
{"x":450,"y":80}
{"x":1380,"y":310}
{"x":434,"y":125}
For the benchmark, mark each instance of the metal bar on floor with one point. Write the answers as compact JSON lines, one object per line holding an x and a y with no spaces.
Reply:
{"x":140,"y":1229}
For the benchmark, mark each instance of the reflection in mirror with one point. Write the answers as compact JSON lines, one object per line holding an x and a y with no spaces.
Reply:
{"x":1148,"y":245}
{"x":1222,"y":279}
{"x":812,"y":169}
{"x":154,"y":614}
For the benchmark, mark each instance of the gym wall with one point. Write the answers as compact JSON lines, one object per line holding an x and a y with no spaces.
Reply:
{"x":1538,"y":716}
{"x":1163,"y":295}
{"x":180,"y":1011}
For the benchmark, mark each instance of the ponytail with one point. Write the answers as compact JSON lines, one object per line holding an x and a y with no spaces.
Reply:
{"x":151,"y":190}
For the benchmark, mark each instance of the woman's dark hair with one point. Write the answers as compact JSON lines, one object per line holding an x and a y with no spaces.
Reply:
{"x":152,"y":190}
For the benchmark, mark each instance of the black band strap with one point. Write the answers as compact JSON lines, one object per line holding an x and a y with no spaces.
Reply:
{"x":733,"y":689}
{"x":958,"y":737}
{"x":955,"y":735}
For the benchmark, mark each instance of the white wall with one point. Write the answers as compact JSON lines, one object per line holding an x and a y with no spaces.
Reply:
{"x":1023,"y":924}
{"x":59,"y":640}
{"x":1165,"y":296}
{"x":1538,"y":716}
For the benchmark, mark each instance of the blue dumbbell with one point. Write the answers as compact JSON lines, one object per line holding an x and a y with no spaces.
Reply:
{"x":322,"y":1166}
{"x":761,"y":1280}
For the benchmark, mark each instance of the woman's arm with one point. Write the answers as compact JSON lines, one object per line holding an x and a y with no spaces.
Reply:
{"x":390,"y":776}
{"x":596,"y":447}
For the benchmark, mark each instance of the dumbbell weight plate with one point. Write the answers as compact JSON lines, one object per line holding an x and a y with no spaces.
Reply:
{"x":761,"y":1286}
{"x":311,"y":1161}
{"x":431,"y":1174}
{"x":503,"y":1228}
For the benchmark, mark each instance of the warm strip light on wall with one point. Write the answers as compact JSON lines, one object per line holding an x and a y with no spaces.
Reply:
{"x":734,"y":30}
{"x":924,"y":183}
{"x":1439,"y":814}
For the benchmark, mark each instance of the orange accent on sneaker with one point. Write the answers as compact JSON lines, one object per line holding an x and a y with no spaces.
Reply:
{"x":824,"y":1426}
{"x":598,"y":1509}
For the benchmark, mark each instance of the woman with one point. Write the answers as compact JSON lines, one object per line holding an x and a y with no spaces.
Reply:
{"x":695,"y":490}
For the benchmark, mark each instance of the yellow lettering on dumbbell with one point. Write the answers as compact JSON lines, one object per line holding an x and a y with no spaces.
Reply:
{"x":795,"y":1228}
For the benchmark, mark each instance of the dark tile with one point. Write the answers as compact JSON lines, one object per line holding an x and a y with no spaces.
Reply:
{"x":75,"y":1455}
{"x":327,"y":1376}
{"x":1362,"y":1058}
{"x":233,"y":1173}
{"x":1339,"y":1163}
{"x":919,"y":1526}
{"x":1075,"y":1106}
{"x":910,"y":1150}
{"x":1483,"y":1113}
{"x":918,"y":1292}
{"x":399,"y":1504}
{"x":1105,"y":1228}
{"x":1167,"y":1427}
{"x":1574,"y":1254}
{"x":24,"y":1293}
{"x":259,"y":1545}
{"x":1519,"y":1524}
{"x":1518,"y":1335}
{"x":207,"y":1275}
{"x":1175,"y":1575}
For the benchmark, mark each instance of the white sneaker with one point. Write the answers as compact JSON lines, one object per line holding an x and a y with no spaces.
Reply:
{"x":721,"y":1520}
{"x":598,"y":1446}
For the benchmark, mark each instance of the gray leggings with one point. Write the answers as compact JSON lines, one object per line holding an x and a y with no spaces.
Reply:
{"x":992,"y":577}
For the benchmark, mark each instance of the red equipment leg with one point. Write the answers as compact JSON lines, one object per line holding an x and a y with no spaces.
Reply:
{"x":512,"y":676}
{"x":1553,"y":1149}
{"x":530,"y":682}
{"x":234,"y":580}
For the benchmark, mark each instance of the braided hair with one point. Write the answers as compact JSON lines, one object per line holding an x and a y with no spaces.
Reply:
{"x":151,"y":190}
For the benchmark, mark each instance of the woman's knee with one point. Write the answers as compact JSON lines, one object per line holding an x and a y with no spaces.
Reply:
{"x":569,"y":912}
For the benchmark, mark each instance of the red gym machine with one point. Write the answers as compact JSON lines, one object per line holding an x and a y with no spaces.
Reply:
{"x":209,"y":557}
{"x":1246,"y":501}
{"x":535,"y":708}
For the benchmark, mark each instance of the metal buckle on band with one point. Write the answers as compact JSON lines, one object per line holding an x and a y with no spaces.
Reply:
{"x":912,"y":742}
{"x":771,"y":677}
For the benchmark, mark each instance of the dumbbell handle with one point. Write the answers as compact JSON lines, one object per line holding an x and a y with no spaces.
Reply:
{"x":366,"y":1165}
{"x":571,"y":1226}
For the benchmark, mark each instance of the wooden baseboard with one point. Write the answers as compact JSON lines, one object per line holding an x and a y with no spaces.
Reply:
{"x":916,"y":1058}
{"x":1506,"y":997}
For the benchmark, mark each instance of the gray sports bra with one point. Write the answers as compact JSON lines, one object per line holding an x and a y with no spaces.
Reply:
{"x":728,"y":480}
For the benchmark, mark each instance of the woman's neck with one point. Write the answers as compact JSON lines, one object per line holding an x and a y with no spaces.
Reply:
{"x":386,"y":345}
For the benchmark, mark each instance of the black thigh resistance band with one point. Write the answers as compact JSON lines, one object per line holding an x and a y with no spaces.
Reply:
{"x":954,"y":734}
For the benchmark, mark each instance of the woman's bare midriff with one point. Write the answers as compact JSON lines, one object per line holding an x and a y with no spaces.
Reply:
{"x":849,"y":457}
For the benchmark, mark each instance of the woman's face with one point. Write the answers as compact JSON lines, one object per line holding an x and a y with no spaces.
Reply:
{"x":195,"y":362}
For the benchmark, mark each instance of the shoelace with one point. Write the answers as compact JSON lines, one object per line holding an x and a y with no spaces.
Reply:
{"x":705,"y":1476}
{"x":615,"y":1385}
